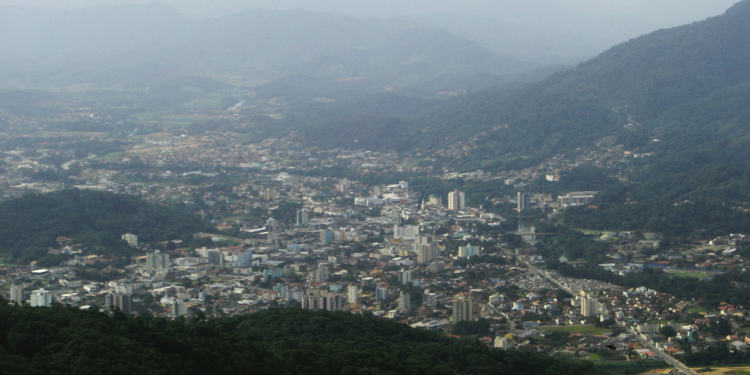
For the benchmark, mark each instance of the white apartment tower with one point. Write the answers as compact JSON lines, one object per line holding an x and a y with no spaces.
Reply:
{"x":590,"y":305}
{"x":352,"y":294}
{"x":302,"y":219}
{"x":157,"y":261}
{"x":16,"y":294}
{"x":41,"y":298}
{"x":456,"y":200}
{"x":404,"y":302}
{"x":131,"y":239}
{"x":461,"y":308}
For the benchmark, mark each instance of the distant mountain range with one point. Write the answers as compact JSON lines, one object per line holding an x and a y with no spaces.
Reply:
{"x":93,"y":45}
{"x":675,"y":80}
{"x":681,"y":95}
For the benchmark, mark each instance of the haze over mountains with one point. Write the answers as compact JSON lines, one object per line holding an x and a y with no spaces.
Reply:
{"x":74,"y":46}
{"x":558,"y":31}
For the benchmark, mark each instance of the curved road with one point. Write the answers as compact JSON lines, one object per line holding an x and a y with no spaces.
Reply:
{"x":67,"y":164}
{"x":642,"y":340}
{"x":666,"y":357}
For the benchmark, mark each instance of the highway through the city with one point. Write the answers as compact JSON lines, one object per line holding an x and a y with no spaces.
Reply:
{"x":642,"y":340}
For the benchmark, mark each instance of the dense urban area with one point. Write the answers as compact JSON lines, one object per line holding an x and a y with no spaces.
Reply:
{"x":292,"y":192}
{"x":283,"y":234}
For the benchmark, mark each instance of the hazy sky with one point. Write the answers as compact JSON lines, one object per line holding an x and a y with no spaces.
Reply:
{"x":660,"y":13}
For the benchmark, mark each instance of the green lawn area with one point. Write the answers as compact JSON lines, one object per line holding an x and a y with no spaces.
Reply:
{"x":697,"y":310}
{"x":204,"y":103}
{"x":631,"y":367}
{"x":584,"y":330}
{"x":595,"y":357}
{"x":111,"y":155}
{"x":693,"y":274}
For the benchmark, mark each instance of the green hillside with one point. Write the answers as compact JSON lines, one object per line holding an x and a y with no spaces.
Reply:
{"x":282,"y":341}
{"x":30,"y":225}
{"x":684,"y":94}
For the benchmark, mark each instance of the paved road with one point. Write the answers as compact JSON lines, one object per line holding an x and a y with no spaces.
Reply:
{"x":666,"y":357}
{"x":645,"y":343}
{"x":544,"y":274}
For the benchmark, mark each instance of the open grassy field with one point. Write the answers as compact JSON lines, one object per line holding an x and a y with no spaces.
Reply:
{"x":634,"y":367}
{"x":583,"y":330}
{"x":692,"y":274}
{"x":739,"y":370}
{"x":698,"y":310}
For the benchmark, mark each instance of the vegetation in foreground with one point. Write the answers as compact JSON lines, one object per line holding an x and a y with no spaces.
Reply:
{"x":65,"y":340}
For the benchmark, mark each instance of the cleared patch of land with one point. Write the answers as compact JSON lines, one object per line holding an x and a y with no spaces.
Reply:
{"x":583,"y":330}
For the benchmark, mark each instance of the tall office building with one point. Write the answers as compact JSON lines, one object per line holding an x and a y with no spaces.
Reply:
{"x":302,"y":218}
{"x":131,"y":239}
{"x":16,"y":294}
{"x":157,"y":260}
{"x":352,"y":294}
{"x":404,"y":302}
{"x":41,"y":298}
{"x":523,"y":201}
{"x":461,"y":308}
{"x":456,"y":200}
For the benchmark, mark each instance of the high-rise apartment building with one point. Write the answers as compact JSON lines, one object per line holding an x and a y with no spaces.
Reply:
{"x":120,"y":300}
{"x":590,"y":305}
{"x":406,"y":232}
{"x":469,"y":251}
{"x":302,"y":219}
{"x":41,"y":298}
{"x":16,"y":294}
{"x":131,"y":239}
{"x":461,"y":308}
{"x":344,"y":185}
{"x":404,"y":302}
{"x":269,"y":194}
{"x":427,"y":253}
{"x":245,"y":259}
{"x":381,"y":293}
{"x":429,"y":299}
{"x":179,"y":308}
{"x":157,"y":260}
{"x":523,"y":201}
{"x":456,"y":200}
{"x":352,"y":294}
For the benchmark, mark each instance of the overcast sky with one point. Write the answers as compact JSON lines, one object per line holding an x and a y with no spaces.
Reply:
{"x":660,"y":13}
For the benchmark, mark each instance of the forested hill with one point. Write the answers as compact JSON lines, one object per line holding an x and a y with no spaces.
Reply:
{"x":30,"y":225}
{"x":669,"y":83}
{"x":282,"y":341}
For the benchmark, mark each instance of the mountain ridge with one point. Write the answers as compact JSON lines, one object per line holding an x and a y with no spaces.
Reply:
{"x":258,"y":43}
